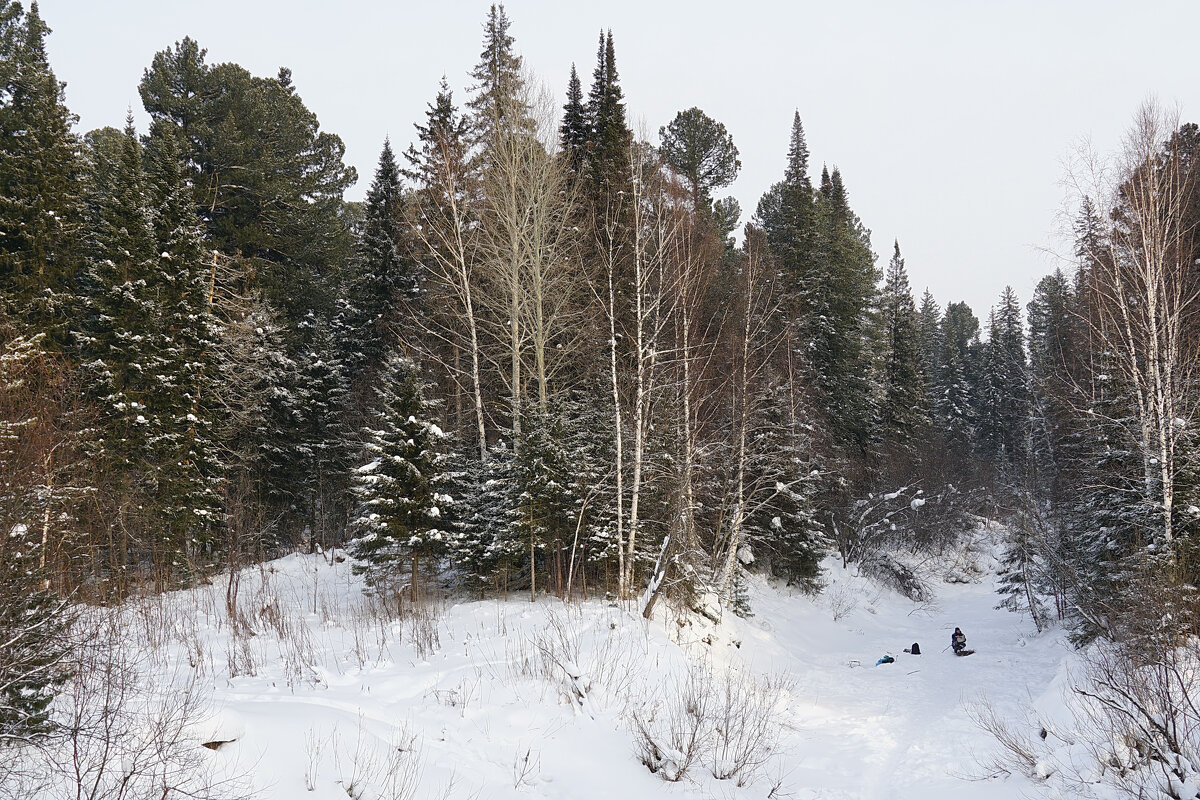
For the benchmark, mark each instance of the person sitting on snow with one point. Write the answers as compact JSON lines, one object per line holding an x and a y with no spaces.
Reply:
{"x":958,"y":640}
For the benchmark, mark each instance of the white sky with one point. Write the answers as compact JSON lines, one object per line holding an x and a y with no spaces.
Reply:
{"x":951,"y":121}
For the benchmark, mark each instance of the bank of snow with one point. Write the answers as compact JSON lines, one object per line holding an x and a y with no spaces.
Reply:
{"x":318,"y":693}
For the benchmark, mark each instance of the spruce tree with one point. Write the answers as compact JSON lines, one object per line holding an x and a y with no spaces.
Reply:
{"x":403,"y":512}
{"x":929,"y":321}
{"x":40,"y":497}
{"x":783,"y":520}
{"x":903,"y":413}
{"x":186,"y":450}
{"x":841,"y":301}
{"x":383,"y":278}
{"x":498,"y":93}
{"x":956,"y":402}
{"x":609,"y":137}
{"x":121,"y":340}
{"x":1006,"y":381}
{"x":573,"y":134}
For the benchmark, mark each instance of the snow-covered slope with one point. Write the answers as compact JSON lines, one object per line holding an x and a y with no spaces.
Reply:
{"x":331,"y":696}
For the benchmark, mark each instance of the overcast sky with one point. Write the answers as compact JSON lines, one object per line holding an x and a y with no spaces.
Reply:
{"x":950,"y":121}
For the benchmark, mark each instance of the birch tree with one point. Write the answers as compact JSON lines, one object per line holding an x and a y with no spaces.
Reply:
{"x":1147,"y":301}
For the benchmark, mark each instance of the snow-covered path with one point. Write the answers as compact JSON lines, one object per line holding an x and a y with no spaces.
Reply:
{"x":482,"y":708}
{"x":901,"y":730}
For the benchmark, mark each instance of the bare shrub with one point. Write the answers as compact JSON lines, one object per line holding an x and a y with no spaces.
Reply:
{"x":1017,"y":752}
{"x":366,"y":770}
{"x":671,"y":733}
{"x":526,"y":767}
{"x":1144,"y":710}
{"x":746,"y":727}
{"x":842,"y":600}
{"x":126,"y":737}
{"x":424,"y":622}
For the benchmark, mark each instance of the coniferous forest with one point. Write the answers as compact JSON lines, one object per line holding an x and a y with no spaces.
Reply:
{"x":543,"y":357}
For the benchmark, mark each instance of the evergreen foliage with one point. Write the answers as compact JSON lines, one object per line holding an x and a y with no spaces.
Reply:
{"x":701,"y":150}
{"x":403,"y":508}
{"x":903,"y":412}
{"x":574,"y":132}
{"x":40,"y":211}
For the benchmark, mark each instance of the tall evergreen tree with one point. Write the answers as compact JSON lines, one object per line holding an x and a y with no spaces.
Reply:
{"x":404,"y":512}
{"x":702,"y":151}
{"x":956,"y":410}
{"x":573,"y":134}
{"x":140,"y":372}
{"x":1052,"y":341}
{"x":285,"y":210}
{"x":40,"y":210}
{"x":1005,"y":434}
{"x":609,"y":136}
{"x":186,"y":394}
{"x":903,"y":411}
{"x":929,"y":321}
{"x":841,"y":300}
{"x":383,"y":276}
{"x":499,"y":83}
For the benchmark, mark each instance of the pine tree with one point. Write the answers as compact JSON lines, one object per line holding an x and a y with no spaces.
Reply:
{"x":285,"y":212}
{"x":702,"y":151}
{"x":40,"y":211}
{"x":404,"y":511}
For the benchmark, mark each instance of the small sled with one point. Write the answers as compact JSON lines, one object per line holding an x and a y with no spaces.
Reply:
{"x":963,"y":652}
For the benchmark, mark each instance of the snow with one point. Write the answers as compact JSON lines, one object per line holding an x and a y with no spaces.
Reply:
{"x":507,"y":698}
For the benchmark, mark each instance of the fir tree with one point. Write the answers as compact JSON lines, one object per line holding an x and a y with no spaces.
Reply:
{"x":40,"y":210}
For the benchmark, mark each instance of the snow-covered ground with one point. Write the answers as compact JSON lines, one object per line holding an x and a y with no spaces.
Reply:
{"x":330,"y":697}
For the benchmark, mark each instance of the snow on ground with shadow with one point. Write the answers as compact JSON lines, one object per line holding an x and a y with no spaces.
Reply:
{"x":319,"y":692}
